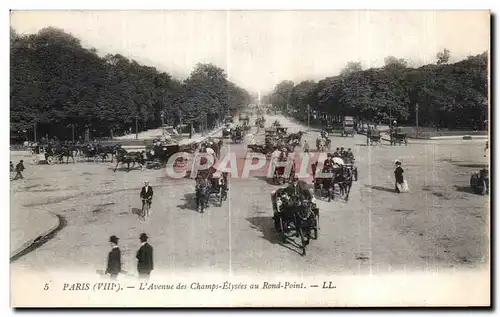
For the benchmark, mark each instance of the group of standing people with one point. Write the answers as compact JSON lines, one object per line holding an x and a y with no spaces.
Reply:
{"x":144,"y":258}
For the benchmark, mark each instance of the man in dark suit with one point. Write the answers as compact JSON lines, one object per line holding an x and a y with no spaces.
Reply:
{"x":144,"y":257}
{"x":114,"y":258}
{"x":147,"y":193}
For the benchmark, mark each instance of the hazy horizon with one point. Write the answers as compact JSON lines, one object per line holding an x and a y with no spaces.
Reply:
{"x":259,"y":49}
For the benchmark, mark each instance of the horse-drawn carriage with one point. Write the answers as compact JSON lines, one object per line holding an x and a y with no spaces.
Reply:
{"x":227,"y":131}
{"x":237,"y":135}
{"x":282,"y":165}
{"x":281,"y":131}
{"x":295,"y":216}
{"x":398,"y":137}
{"x":334,"y":172}
{"x":210,"y":183}
{"x":157,"y":155}
{"x":373,"y":137}
{"x":479,"y":182}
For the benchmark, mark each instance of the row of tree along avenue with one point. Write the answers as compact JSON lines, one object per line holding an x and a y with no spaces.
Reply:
{"x":58,"y":88}
{"x":442,"y":95}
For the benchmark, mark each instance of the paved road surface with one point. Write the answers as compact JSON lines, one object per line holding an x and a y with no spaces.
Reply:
{"x":438,"y":225}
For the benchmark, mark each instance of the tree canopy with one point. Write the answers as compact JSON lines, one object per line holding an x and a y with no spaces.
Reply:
{"x":448,"y":95}
{"x":57,"y":84}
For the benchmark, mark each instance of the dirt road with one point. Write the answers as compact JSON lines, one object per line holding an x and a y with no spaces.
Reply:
{"x":440,"y":224}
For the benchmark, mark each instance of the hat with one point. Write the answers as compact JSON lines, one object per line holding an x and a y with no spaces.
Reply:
{"x":143,"y":236}
{"x":146,"y":182}
{"x":397,"y":162}
{"x":342,"y":148}
{"x":21,"y":161}
{"x":113,"y":239}
{"x":338,"y":148}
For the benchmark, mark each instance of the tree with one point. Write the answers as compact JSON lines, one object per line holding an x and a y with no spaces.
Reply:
{"x":351,"y":67}
{"x":443,"y":57}
{"x":55,"y":82}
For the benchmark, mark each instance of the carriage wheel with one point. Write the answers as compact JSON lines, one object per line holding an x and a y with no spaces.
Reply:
{"x":315,"y":228}
{"x":282,"y":229}
{"x":484,"y":190}
{"x":51,"y":160}
{"x":303,"y":240}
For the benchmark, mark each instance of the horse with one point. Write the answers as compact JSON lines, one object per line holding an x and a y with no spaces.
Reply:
{"x":295,"y":136}
{"x":123,"y":157}
{"x":320,"y":144}
{"x":202,"y":191}
{"x":65,"y":152}
{"x":343,"y":179}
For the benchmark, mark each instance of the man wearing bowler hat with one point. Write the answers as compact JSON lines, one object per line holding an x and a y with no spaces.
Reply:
{"x":114,"y":258}
{"x":144,"y":257}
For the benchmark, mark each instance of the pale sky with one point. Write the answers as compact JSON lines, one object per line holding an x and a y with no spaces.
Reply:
{"x":258,"y":49}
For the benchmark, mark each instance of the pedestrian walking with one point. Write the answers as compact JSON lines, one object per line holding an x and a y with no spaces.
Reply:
{"x":114,"y":258}
{"x":400,"y":185}
{"x":19,"y":169}
{"x":144,"y":257}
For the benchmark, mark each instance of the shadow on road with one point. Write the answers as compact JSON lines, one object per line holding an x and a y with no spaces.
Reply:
{"x":266,"y":226}
{"x":380,"y":188}
{"x":138,"y":212}
{"x":464,"y":189}
{"x":189,"y":202}
{"x":264,"y":178}
{"x":472,"y":165}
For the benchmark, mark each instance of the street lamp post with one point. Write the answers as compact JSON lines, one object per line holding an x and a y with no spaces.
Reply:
{"x":136,"y":129}
{"x":308,"y":118}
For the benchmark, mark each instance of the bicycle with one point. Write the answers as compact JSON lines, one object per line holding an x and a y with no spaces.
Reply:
{"x":146,"y":206}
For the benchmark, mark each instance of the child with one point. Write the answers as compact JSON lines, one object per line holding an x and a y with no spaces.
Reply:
{"x":398,"y":173}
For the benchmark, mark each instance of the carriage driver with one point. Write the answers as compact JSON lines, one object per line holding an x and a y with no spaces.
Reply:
{"x":349,"y":156}
{"x":336,"y":153}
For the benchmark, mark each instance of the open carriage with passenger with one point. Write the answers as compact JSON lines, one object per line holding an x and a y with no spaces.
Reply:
{"x":210,"y":182}
{"x":237,"y":135}
{"x":334,"y":172}
{"x":295,"y":215}
{"x":284,"y":168}
{"x":373,"y":136}
{"x":398,"y":137}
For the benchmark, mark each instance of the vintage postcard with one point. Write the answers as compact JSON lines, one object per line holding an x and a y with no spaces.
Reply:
{"x":249,"y":158}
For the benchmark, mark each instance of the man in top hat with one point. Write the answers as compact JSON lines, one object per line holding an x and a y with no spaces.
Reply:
{"x":144,"y":257}
{"x":114,"y":258}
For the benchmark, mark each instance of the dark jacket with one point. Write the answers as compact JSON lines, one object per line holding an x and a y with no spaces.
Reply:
{"x":398,"y":173}
{"x":148,"y":194}
{"x":114,"y":261}
{"x":145,"y":258}
{"x":19,"y":167}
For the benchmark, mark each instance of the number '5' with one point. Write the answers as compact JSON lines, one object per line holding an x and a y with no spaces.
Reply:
{"x":46,"y":287}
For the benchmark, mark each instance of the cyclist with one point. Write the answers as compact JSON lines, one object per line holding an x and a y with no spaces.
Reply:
{"x":146,"y":194}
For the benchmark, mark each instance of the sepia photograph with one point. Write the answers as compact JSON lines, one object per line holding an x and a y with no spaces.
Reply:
{"x":246,"y":158}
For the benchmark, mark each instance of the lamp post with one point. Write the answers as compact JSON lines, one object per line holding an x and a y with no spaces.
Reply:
{"x":308,"y":118}
{"x":136,"y":129}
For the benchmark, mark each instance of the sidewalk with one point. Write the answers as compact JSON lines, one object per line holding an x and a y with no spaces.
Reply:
{"x":28,"y":226}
